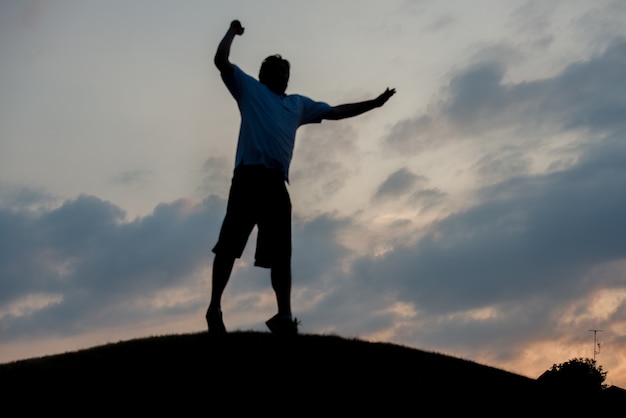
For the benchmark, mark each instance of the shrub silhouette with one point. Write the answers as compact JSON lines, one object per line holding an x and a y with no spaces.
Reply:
{"x":576,"y":376}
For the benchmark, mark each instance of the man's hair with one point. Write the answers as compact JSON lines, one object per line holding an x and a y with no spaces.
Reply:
{"x":265,"y":73}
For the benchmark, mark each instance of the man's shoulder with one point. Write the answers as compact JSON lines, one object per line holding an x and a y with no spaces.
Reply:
{"x":299,"y":98}
{"x":307,"y":102}
{"x":310,"y":110}
{"x":237,"y":69}
{"x":240,"y":84}
{"x":237,"y":74}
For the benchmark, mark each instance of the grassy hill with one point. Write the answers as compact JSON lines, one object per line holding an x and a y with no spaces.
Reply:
{"x":257,"y":372}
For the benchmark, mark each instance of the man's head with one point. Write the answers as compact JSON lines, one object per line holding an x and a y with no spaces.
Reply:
{"x":274,"y":73}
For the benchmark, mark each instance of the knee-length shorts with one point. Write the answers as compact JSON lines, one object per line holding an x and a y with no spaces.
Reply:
{"x":258,"y":197}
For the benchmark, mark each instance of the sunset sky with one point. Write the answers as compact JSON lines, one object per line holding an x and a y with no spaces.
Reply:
{"x":480,"y":213}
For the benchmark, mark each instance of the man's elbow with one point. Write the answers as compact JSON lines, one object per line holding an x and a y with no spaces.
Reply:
{"x":222,"y":64}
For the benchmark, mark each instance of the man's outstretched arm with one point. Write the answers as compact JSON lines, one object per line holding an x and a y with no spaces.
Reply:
{"x":353,"y":109}
{"x":223,"y":50}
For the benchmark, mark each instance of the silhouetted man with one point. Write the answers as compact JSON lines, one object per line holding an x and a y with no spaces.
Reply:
{"x":258,"y":194}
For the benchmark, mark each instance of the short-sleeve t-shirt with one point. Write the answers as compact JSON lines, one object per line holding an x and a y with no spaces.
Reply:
{"x":269,"y":121}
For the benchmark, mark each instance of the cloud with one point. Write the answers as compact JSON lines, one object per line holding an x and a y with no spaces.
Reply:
{"x":534,"y":20}
{"x":16,"y":198}
{"x":411,"y":135}
{"x":132,"y":178}
{"x":530,"y":238}
{"x":397,"y":184}
{"x":504,"y":164}
{"x":428,"y":198}
{"x":404,"y":187}
{"x":81,"y":266}
{"x":538,"y":259}
{"x":601,"y":22}
{"x":587,"y":95}
{"x":93,"y":266}
{"x":535,"y":257}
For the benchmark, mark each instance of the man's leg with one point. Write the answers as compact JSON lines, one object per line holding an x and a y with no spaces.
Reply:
{"x":281,"y":283}
{"x":282,"y":323}
{"x":222,"y":268}
{"x":274,"y":250}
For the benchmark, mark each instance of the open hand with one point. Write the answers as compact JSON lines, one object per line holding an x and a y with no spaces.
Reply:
{"x":382,"y":99}
{"x":236,"y":26}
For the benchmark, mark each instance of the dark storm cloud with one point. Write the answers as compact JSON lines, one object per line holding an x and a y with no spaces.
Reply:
{"x":586,"y":95}
{"x":84,"y":252}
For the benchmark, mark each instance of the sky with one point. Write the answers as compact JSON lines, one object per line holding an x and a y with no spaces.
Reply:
{"x":479,"y":213}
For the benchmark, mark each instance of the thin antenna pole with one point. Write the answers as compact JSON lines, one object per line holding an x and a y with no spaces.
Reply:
{"x":596,"y":346}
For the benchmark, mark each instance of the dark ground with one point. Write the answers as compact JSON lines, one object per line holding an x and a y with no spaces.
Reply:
{"x":255,"y":372}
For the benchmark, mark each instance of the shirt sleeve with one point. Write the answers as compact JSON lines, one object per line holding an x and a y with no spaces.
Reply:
{"x":234,"y":81}
{"x":312,"y":111}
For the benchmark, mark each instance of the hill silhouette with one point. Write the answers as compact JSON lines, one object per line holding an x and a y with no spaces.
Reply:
{"x":256,"y":372}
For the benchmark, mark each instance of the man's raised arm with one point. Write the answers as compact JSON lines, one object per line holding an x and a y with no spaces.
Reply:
{"x":353,"y":109}
{"x":223,"y":50}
